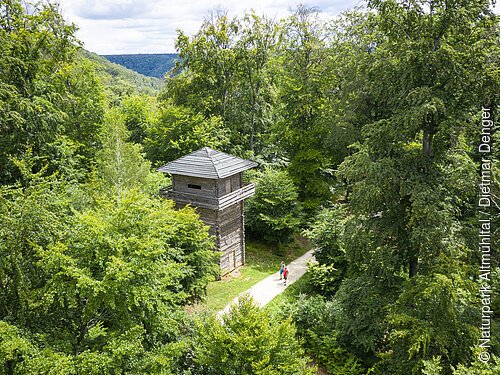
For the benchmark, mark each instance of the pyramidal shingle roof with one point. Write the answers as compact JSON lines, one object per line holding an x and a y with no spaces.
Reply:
{"x":207,"y":163}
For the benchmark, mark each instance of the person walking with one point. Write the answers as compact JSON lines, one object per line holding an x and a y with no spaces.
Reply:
{"x":282,"y":268}
{"x":285,"y":275}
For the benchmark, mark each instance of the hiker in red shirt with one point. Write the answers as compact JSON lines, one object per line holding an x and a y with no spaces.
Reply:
{"x":285,"y":275}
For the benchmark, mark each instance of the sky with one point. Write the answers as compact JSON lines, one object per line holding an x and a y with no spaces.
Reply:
{"x":111,"y":27}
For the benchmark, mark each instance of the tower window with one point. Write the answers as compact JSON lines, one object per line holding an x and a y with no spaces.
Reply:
{"x":197,"y":187}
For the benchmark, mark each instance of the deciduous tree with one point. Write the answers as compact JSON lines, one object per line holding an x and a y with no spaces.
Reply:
{"x":246,"y":341}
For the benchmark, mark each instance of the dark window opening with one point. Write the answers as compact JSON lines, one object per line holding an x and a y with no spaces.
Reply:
{"x":198,"y":187}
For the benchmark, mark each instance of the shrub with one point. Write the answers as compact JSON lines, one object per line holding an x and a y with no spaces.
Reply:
{"x":327,"y":233}
{"x":323,"y":279}
{"x":315,"y":318}
{"x":479,"y":368}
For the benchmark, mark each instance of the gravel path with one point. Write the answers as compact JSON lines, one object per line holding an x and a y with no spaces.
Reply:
{"x":264,"y":291}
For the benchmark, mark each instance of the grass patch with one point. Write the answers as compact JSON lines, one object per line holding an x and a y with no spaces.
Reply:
{"x":290,"y":294}
{"x":262,"y":260}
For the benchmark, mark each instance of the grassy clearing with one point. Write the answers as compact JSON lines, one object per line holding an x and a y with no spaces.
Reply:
{"x":261,"y":261}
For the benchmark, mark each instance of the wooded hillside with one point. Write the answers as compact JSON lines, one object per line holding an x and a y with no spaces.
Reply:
{"x":121,"y":79}
{"x":149,"y":64}
{"x":366,"y":128}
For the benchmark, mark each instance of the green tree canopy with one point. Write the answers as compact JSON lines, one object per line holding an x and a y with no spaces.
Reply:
{"x":96,"y":291}
{"x":49,"y":100}
{"x":423,"y":71}
{"x":246,"y":341}
{"x":273,"y":213}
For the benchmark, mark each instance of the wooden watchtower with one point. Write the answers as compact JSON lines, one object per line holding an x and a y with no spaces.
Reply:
{"x":211,"y":181}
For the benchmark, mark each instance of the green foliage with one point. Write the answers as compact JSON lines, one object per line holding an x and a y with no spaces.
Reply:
{"x":479,"y":368}
{"x":227,"y":72}
{"x":94,"y":271}
{"x":145,"y":243}
{"x":273,"y":214}
{"x":362,"y":320}
{"x":140,"y":113}
{"x":315,"y":319}
{"x":327,"y":234}
{"x":247,"y":341}
{"x":309,"y":171}
{"x":304,"y":96}
{"x":97,"y":291}
{"x":432,"y":317}
{"x":82,"y":100}
{"x":411,"y":183}
{"x":34,"y":212}
{"x":120,"y":164}
{"x":209,"y":59}
{"x":47,"y":96}
{"x":495,"y":284}
{"x":121,"y":82}
{"x":179,"y":131}
{"x":14,"y":348}
{"x":324,"y":279}
{"x":432,"y":366}
{"x":254,"y":110}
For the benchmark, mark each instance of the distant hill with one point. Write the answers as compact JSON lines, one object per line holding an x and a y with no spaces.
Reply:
{"x":120,"y":80}
{"x":151,"y":65}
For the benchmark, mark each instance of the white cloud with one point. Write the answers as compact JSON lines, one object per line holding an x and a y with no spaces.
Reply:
{"x":135,"y":26}
{"x":141,"y":26}
{"x":110,"y":10}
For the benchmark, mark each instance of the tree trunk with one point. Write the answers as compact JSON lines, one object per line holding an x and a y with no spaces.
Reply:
{"x":10,"y":367}
{"x":413,"y":266}
{"x":252,"y":132}
{"x":427,"y":143}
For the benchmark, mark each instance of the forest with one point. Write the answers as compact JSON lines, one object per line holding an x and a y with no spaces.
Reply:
{"x":367,"y":130}
{"x":148,"y":64}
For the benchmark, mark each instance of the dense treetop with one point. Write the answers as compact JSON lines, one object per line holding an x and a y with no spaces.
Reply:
{"x":366,"y":128}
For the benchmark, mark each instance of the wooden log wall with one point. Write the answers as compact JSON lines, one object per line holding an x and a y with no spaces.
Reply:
{"x":225,"y":224}
{"x":182,"y":184}
{"x":229,"y":184}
